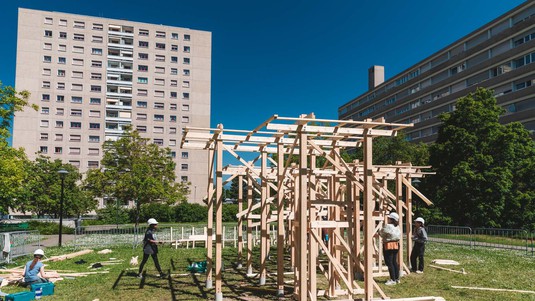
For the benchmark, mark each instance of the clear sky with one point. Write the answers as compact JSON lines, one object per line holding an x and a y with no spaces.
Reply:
{"x":287,"y":57}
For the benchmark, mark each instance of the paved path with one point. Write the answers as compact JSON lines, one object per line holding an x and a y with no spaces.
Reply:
{"x":52,"y":240}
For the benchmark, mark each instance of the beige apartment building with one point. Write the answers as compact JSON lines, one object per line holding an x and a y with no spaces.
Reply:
{"x":499,"y":55}
{"x":92,"y":76}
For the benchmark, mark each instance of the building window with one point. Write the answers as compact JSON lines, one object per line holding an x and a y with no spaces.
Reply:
{"x":62,"y":35}
{"x":58,"y":137}
{"x":43,"y":123}
{"x":97,"y":39}
{"x":47,"y":59}
{"x":79,"y":24}
{"x":172,"y":118}
{"x":43,"y":149}
{"x":159,"y":105}
{"x":77,"y":74}
{"x":94,"y":126}
{"x":61,"y":73}
{"x":143,"y":32}
{"x":78,"y":49}
{"x":187,"y":37}
{"x":143,"y":56}
{"x":59,"y":124}
{"x":48,"y":33}
{"x":174,"y":71}
{"x":160,"y":34}
{"x":78,"y":62}
{"x":76,"y":99}
{"x":43,"y":136}
{"x":174,"y":47}
{"x":47,"y":46}
{"x":159,"y":93}
{"x":60,"y":111}
{"x":184,"y":178}
{"x":45,"y":97}
{"x":61,"y":86}
{"x":60,"y":98}
{"x":77,"y":87}
{"x":159,"y":70}
{"x":158,"y":130}
{"x":62,"y":60}
{"x":97,"y":76}
{"x":45,"y":110}
{"x":142,"y":68}
{"x":74,"y":150}
{"x":62,"y":48}
{"x":76,"y":112}
{"x":160,"y":46}
{"x":185,"y":119}
{"x":92,"y":164}
{"x":185,"y":95}
{"x":58,"y":150}
{"x":174,"y":83}
{"x":98,"y":27}
{"x":172,"y":142}
{"x":160,"y":58}
{"x":94,"y":139}
{"x":141,"y":128}
{"x":173,"y":106}
{"x":174,"y":36}
{"x":143,"y":44}
{"x":185,"y":84}
{"x":94,"y":113}
{"x":62,"y":22}
{"x":97,"y":64}
{"x":183,"y":166}
{"x":76,"y":125}
{"x":96,"y":88}
{"x":141,"y":116}
{"x":187,"y":49}
{"x":159,"y":81}
{"x":142,"y":80}
{"x":96,"y":51}
{"x":174,"y":59}
{"x":142,"y":92}
{"x":47,"y":72}
{"x":93,"y":152}
{"x":185,"y":72}
{"x":141,"y":104}
{"x":45,"y":85}
{"x":94,"y":101}
{"x":158,"y":117}
{"x":185,"y":155}
{"x":173,"y":94}
{"x":78,"y":37}
{"x":186,"y":60}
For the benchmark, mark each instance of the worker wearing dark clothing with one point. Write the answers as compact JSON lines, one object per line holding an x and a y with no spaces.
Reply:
{"x":420,"y":238}
{"x":150,"y":247}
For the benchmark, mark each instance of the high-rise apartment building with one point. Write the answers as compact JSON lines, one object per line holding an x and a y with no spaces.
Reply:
{"x":500,"y":55}
{"x":92,"y":76}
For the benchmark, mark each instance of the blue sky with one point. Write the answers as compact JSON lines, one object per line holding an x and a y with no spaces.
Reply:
{"x":287,"y":57}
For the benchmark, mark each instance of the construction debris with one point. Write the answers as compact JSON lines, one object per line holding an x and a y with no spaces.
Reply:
{"x":68,"y":256}
{"x":493,"y":289}
{"x":133,"y":261}
{"x":446,"y":269}
{"x":445,"y":262}
{"x":105,"y":251}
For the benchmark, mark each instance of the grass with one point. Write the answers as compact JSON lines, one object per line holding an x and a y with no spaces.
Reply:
{"x":485,"y":267}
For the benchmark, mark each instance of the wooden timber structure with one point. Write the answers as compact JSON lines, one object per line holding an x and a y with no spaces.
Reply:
{"x":321,"y":194}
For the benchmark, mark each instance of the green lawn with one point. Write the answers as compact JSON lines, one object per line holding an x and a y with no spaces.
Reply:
{"x":485,"y":267}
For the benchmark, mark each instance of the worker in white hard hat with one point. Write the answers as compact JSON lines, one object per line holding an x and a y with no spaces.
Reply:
{"x":150,"y":247}
{"x":419,"y":237}
{"x":391,"y":234}
{"x":34,"y":271}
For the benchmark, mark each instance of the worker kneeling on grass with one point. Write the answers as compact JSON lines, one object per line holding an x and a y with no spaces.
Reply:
{"x":150,"y":247}
{"x":34,"y":271}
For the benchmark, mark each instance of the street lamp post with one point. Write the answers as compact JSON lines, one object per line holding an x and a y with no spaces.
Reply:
{"x":62,"y":174}
{"x":415,"y":182}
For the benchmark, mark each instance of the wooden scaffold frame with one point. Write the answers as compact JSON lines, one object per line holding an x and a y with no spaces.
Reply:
{"x":347,"y":201}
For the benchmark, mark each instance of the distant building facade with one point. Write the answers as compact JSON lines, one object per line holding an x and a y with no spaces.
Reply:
{"x":499,"y":56}
{"x":93,"y":76}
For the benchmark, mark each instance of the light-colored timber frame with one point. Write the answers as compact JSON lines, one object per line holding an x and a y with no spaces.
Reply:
{"x":342,"y":198}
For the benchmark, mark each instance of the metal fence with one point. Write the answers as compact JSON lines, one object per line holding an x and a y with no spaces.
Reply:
{"x":19,"y":243}
{"x":107,"y":236}
{"x":511,"y":239}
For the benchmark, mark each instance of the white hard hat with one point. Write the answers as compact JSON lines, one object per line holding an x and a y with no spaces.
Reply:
{"x":152,"y":221}
{"x":394,"y":216}
{"x":420,"y":219}
{"x":39,"y":252}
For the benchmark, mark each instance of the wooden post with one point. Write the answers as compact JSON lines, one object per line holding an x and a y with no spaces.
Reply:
{"x":302,"y":217}
{"x":210,"y":225}
{"x":408,"y":221}
{"x":313,"y":246}
{"x":263,"y":220}
{"x":219,"y":218}
{"x":369,"y":224}
{"x":399,"y":209}
{"x":249,"y":226}
{"x":240,"y":222}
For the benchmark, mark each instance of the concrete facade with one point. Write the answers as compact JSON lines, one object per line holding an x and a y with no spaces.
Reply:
{"x":91,"y":76}
{"x":500,"y":55}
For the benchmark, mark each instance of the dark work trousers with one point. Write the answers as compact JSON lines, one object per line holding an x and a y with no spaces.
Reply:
{"x":391,"y":261}
{"x":417,"y":254}
{"x":154,"y":258}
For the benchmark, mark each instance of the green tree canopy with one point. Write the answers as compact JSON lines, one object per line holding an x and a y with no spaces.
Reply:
{"x":483,"y":168}
{"x":13,"y":174}
{"x":11,"y":101}
{"x":136,"y":170}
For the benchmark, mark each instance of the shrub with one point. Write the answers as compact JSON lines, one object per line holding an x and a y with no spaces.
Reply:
{"x":229,"y":212}
{"x":113,"y":214}
{"x":49,"y":228}
{"x":187,"y":213}
{"x":161,"y":212}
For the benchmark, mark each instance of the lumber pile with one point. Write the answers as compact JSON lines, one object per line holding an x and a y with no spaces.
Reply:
{"x":68,"y":256}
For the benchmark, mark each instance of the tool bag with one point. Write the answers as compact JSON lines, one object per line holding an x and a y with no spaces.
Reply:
{"x":391,"y":245}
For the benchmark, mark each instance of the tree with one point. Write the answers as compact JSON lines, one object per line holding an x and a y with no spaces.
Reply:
{"x":11,"y":101}
{"x":483,"y":176}
{"x":136,"y":170}
{"x":13,"y":173}
{"x":42,"y":190}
